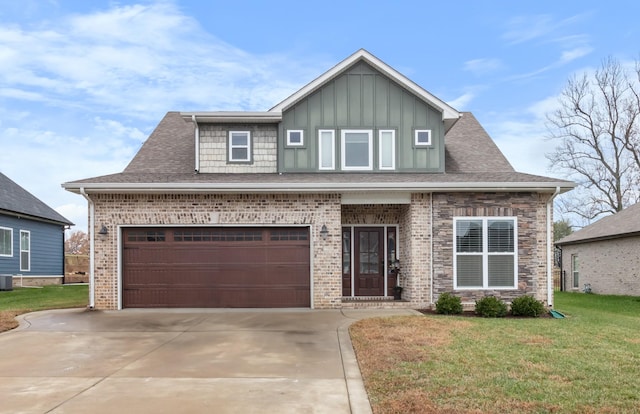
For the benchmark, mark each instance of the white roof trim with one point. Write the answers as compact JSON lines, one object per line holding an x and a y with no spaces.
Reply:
{"x":328,"y":187}
{"x":448,"y":112}
{"x":231,"y":116}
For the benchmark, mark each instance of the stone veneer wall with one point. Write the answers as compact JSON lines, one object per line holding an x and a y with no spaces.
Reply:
{"x":530,"y":210}
{"x":213,"y":149}
{"x":218,"y":209}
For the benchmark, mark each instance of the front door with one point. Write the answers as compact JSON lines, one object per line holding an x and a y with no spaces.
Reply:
{"x":369,"y":261}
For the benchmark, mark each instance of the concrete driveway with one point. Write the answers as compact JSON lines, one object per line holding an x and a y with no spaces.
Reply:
{"x":183,"y":361}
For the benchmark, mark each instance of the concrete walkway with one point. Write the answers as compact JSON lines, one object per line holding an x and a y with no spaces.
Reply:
{"x":183,"y":361}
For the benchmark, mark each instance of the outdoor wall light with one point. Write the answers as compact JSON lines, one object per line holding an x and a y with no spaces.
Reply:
{"x":324,"y":232}
{"x":103,"y":232}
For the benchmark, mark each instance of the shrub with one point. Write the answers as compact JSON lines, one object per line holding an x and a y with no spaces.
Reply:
{"x":491,"y":307}
{"x":527,"y":306}
{"x":448,"y":304}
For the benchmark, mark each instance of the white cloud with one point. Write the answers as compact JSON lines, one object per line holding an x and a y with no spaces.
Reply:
{"x":483,"y":66}
{"x":461,"y":102}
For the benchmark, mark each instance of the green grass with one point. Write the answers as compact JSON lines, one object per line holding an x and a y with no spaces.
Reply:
{"x":24,"y":300}
{"x":47,"y":297}
{"x":586,"y":363}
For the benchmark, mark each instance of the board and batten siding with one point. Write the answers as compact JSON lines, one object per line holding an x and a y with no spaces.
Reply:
{"x":363,"y":98}
{"x":47,"y":244}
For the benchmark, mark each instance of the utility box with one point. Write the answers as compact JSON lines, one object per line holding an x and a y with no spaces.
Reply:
{"x":6,"y":282}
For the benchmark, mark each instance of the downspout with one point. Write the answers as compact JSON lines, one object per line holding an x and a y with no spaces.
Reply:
{"x":197,"y":139}
{"x":549,"y":252}
{"x":91,"y":248}
{"x":431,"y":249}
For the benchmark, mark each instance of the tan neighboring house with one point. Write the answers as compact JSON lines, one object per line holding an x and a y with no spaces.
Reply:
{"x":316,"y":202}
{"x":604,"y":255}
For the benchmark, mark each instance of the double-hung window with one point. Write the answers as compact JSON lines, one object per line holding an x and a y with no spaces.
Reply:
{"x":327,"y":149}
{"x":25,"y":250}
{"x":575,"y":271}
{"x":485,"y":253}
{"x":357,"y":149}
{"x":239,"y":146}
{"x":6,"y":241}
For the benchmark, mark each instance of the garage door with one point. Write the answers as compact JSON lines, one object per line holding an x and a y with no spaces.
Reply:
{"x":216,"y":267}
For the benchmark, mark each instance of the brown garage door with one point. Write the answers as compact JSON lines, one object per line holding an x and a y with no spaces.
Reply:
{"x":215,"y":267}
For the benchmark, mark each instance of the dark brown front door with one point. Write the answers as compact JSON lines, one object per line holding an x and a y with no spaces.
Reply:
{"x":368,"y":261}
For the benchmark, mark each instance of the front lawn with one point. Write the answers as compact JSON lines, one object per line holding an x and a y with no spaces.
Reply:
{"x":588,"y":362}
{"x":24,"y":300}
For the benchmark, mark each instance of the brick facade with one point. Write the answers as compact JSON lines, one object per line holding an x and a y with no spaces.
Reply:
{"x":611,"y":267}
{"x":416,"y":243}
{"x":213,"y":149}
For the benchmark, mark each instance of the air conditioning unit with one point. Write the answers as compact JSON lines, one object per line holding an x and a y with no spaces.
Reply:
{"x":6,"y":282}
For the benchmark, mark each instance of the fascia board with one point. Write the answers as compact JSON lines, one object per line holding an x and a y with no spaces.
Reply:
{"x":228,"y":117}
{"x":448,"y":112}
{"x":329,"y":187}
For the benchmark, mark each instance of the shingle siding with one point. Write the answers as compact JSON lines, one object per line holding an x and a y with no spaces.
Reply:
{"x":214,"y":149}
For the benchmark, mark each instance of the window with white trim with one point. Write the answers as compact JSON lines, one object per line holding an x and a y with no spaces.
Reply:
{"x":387,"y":149}
{"x":422,"y":137}
{"x":295,"y":138}
{"x":485,"y":253}
{"x":239,"y":146}
{"x":25,"y":250}
{"x":6,"y":241}
{"x":327,"y":149}
{"x":357,"y":149}
{"x":575,"y":271}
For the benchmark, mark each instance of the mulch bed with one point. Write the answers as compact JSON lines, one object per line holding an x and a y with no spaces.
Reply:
{"x":472,"y":314}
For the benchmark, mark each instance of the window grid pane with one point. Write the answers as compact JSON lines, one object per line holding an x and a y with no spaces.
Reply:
{"x":500,"y":270}
{"x":5,"y":242}
{"x":469,"y":268}
{"x":469,"y":236}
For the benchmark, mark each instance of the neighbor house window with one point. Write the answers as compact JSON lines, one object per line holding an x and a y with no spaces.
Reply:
{"x":357,"y":150}
{"x":422,"y":137}
{"x":295,"y":138}
{"x":485,"y":253}
{"x":6,"y":241}
{"x":575,"y":271}
{"x":239,"y":146}
{"x":387,"y":148}
{"x":25,"y":250}
{"x":327,"y":149}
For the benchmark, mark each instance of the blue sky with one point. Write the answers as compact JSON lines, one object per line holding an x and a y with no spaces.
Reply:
{"x":82,"y":84}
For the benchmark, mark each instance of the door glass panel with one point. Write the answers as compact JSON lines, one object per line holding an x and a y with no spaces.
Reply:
{"x":346,"y":251}
{"x":369,"y":260}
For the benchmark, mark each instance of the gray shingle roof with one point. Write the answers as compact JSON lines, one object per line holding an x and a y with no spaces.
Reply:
{"x":16,"y":200}
{"x":622,"y":224}
{"x":167,"y":158}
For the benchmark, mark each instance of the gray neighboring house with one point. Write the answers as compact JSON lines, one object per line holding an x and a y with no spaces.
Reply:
{"x":31,"y":237}
{"x":604,"y":255}
{"x":312,"y":203}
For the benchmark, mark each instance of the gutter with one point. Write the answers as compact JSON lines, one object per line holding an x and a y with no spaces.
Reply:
{"x":329,"y":187}
{"x":92,"y":257}
{"x":549,"y":252}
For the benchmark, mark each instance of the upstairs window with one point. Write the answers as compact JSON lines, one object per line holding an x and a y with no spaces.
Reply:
{"x":6,"y":242}
{"x":357,"y":150}
{"x":422,"y":137}
{"x":239,"y":146}
{"x":327,"y":149}
{"x":295,"y":138}
{"x":485,"y":253}
{"x":387,"y":149}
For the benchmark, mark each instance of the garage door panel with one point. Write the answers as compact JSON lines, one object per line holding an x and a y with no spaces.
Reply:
{"x":216,"y":268}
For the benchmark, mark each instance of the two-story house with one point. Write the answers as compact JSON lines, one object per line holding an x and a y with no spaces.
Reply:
{"x":311,"y":203}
